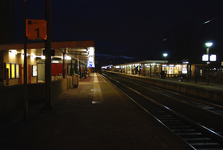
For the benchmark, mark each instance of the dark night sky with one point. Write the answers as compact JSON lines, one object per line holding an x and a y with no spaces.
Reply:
{"x":124,"y":30}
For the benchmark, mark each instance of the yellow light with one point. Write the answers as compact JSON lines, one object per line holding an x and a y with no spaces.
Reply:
{"x":13,"y":70}
{"x":33,"y":57}
{"x":23,"y":55}
{"x":17,"y":70}
{"x":67,"y":57}
{"x":14,"y":52}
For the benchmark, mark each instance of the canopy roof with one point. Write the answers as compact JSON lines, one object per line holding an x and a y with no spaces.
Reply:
{"x":76,"y":49}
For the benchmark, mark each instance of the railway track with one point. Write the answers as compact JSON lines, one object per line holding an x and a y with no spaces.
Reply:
{"x":171,"y":109}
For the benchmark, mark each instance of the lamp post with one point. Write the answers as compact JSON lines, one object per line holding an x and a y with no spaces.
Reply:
{"x":208,"y":45}
{"x":164,"y":55}
{"x":25,"y":68}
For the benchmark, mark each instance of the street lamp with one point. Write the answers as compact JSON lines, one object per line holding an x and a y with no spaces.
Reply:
{"x":208,"y":45}
{"x":165,"y":55}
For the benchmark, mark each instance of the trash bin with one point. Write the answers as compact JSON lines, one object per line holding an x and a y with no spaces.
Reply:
{"x":75,"y":80}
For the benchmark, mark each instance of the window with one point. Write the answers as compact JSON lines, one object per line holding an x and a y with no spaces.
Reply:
{"x":17,"y":70}
{"x":9,"y":70}
{"x":13,"y":70}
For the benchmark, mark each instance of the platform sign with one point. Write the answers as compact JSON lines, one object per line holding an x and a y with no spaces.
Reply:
{"x":36,"y":29}
{"x":184,"y":69}
{"x":205,"y":57}
{"x":212,"y":57}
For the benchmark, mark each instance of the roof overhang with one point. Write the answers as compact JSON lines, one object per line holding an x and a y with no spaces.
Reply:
{"x":78,"y":50}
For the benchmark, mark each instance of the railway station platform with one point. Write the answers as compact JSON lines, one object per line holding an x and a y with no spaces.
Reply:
{"x":95,"y":116}
{"x":211,"y":92}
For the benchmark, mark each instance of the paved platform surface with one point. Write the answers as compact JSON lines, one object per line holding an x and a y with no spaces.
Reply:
{"x":94,"y":116}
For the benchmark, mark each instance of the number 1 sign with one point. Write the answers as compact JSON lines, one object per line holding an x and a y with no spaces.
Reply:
{"x":36,"y":29}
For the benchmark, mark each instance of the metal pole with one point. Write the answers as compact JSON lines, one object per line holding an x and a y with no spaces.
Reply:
{"x":76,"y":67}
{"x":150,"y":69}
{"x":64,"y":65}
{"x":208,"y":66}
{"x":48,"y":85}
{"x":25,"y":68}
{"x":71,"y":67}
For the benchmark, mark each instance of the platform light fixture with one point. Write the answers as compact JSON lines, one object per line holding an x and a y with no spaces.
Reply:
{"x":165,"y":55}
{"x":13,"y":52}
{"x":67,"y":57}
{"x":33,"y":57}
{"x":208,"y":44}
{"x":43,"y":57}
{"x":23,"y":55}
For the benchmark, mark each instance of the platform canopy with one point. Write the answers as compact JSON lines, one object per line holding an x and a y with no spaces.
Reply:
{"x":79,"y":50}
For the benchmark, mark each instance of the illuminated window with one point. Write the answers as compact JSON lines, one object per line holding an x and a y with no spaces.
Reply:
{"x":17,"y":70}
{"x":12,"y":70}
{"x":176,"y":71}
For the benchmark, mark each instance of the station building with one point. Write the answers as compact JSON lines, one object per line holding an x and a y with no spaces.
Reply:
{"x":67,"y":58}
{"x":153,"y":68}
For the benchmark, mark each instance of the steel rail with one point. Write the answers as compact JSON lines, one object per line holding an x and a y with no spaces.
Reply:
{"x":208,"y":131}
{"x":215,"y":108}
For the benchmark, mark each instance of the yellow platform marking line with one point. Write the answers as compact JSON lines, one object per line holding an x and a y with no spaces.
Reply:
{"x":95,"y":78}
{"x":97,"y":94}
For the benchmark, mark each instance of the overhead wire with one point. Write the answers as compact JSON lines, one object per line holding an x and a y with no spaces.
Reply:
{"x":204,"y":23}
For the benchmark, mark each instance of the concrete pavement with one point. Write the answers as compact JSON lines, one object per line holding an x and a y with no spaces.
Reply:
{"x":94,"y":116}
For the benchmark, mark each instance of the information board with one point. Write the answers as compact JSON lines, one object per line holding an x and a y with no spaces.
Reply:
{"x":34,"y":70}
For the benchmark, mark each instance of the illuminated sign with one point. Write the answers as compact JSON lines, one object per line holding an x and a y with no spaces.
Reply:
{"x":205,"y":57}
{"x":171,"y":66}
{"x":91,"y":64}
{"x":36,"y":29}
{"x":184,"y":69}
{"x":91,"y":51}
{"x":212,"y":57}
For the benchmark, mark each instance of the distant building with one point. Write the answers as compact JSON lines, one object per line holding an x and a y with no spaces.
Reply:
{"x":7,"y":21}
